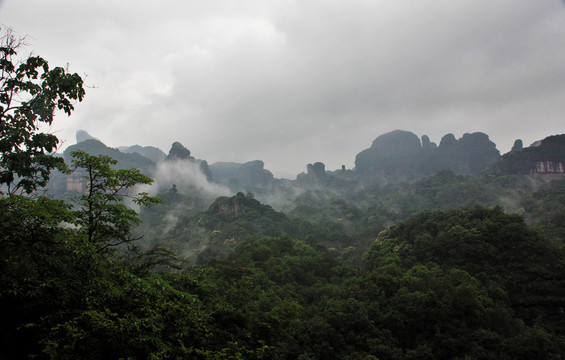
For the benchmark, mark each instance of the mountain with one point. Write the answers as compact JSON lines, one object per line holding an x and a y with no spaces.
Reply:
{"x":546,"y":158}
{"x":249,"y":174}
{"x":402,"y":156}
{"x":152,"y":153}
{"x":180,"y":153}
{"x":125,"y":160}
{"x":82,"y":135}
{"x":395,"y":156}
{"x":227,"y":221}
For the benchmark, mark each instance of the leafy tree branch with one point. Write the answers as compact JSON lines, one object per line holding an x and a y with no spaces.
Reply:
{"x":103,"y":216}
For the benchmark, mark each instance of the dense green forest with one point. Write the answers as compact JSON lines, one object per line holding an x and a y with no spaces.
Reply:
{"x":461,"y":261}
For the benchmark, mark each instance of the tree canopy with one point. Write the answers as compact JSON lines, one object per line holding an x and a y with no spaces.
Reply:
{"x":30,"y":94}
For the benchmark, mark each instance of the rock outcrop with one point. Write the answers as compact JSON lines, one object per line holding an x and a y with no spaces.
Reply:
{"x":518,"y":146}
{"x":241,"y":176}
{"x":179,"y":152}
{"x":401,"y":156}
{"x":316,"y":170}
{"x":82,"y":135}
{"x":545,"y":157}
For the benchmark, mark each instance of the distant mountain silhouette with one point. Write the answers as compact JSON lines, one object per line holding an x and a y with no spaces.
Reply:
{"x":179,"y":152}
{"x":401,"y":156}
{"x":152,"y":153}
{"x":125,"y":160}
{"x":82,"y":135}
{"x":397,"y":156}
{"x":252,"y":173}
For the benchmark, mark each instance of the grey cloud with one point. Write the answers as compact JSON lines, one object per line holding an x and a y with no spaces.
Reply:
{"x":301,"y":81}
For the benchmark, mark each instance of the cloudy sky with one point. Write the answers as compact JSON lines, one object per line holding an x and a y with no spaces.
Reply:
{"x":292,"y":82}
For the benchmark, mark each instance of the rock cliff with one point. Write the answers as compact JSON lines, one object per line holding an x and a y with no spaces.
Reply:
{"x":402,"y":156}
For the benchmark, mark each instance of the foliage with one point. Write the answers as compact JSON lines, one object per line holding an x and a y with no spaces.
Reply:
{"x":459,"y":284}
{"x":517,"y":276}
{"x":30,"y":93}
{"x":463,"y":282}
{"x":103,"y":217}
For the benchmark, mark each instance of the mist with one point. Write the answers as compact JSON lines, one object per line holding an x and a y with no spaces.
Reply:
{"x":186,"y":176}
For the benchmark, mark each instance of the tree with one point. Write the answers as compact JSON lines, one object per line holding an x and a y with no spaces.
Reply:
{"x":30,"y":93}
{"x":104,"y":218}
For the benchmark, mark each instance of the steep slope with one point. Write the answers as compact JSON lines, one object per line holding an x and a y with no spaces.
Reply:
{"x":547,"y":158}
{"x":125,"y":160}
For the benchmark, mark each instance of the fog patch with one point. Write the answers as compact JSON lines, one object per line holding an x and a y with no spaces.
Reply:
{"x":171,"y":220}
{"x":281,"y":199}
{"x":184,"y":176}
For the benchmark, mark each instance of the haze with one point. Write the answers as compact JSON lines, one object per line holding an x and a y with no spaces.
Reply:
{"x":293,"y":82}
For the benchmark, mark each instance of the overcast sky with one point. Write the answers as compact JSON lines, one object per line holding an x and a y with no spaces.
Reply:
{"x":292,"y":82}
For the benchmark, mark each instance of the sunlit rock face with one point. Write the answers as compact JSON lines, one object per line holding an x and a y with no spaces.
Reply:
{"x":543,"y":167}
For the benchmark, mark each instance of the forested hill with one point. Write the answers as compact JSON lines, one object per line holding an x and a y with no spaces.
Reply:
{"x":443,"y":285}
{"x":421,"y":252}
{"x":437,"y":268}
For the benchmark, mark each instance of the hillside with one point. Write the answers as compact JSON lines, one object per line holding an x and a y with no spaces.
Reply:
{"x":125,"y":160}
{"x":546,"y":158}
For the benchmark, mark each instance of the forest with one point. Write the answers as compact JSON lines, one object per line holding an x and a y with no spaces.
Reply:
{"x":422,"y":251}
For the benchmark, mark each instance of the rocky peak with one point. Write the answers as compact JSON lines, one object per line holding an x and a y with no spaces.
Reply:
{"x":427,"y":144}
{"x":232,"y":206}
{"x":518,"y":146}
{"x":447,"y":141}
{"x":82,"y":135}
{"x":317,"y":170}
{"x":178,"y":151}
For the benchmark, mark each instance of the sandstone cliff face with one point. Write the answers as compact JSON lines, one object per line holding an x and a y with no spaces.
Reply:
{"x":76,"y":181}
{"x":544,"y":158}
{"x":232,"y":207}
{"x":548,"y":167}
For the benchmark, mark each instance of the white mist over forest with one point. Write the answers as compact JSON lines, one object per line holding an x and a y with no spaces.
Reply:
{"x":186,"y":175}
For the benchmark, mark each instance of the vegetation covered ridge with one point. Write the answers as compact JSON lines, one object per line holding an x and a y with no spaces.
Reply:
{"x":449,"y":265}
